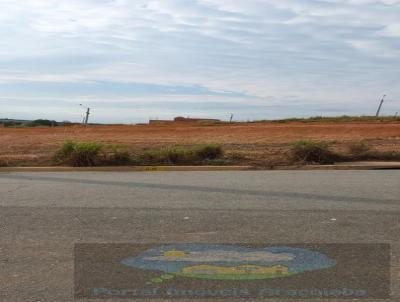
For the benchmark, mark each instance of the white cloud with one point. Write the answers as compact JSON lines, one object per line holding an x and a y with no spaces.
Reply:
{"x":317,"y":50}
{"x":375,"y":48}
{"x":392,"y":30}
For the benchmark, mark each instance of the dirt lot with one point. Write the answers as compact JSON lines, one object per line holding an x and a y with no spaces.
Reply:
{"x":259,"y":143}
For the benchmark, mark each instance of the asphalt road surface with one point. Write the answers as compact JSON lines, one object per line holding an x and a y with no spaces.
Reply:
{"x":42,"y":216}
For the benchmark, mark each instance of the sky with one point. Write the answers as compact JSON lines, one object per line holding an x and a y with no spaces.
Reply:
{"x":131,"y":60}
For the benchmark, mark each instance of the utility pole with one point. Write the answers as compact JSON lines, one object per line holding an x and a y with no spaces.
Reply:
{"x":380,"y":106}
{"x":86,"y":118}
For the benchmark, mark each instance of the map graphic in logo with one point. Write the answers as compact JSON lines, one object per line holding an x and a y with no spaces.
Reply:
{"x":228,"y":262}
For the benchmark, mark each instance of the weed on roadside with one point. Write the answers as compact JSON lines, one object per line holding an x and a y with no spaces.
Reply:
{"x":307,"y":151}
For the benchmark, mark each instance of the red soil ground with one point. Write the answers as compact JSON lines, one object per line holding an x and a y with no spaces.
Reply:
{"x":27,"y":146}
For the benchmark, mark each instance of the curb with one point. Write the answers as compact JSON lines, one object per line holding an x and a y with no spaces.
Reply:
{"x":339,"y":166}
{"x":126,"y":169}
{"x":347,"y":166}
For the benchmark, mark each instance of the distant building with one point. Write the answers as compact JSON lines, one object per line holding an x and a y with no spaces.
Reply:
{"x":160,"y":122}
{"x":181,"y":119}
{"x":188,"y":119}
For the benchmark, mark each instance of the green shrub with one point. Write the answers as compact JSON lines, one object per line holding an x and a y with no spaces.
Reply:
{"x":343,"y":118}
{"x":168,"y":155}
{"x":210,"y":151}
{"x":117,"y":155}
{"x":91,"y":154}
{"x":12,"y":124}
{"x":380,"y":155}
{"x":236,"y":156}
{"x":4,"y":163}
{"x":41,"y":122}
{"x":358,"y":148}
{"x":79,"y":154}
{"x":181,"y":155}
{"x":65,"y":150}
{"x":85,"y":154}
{"x":361,"y":151}
{"x":312,"y":152}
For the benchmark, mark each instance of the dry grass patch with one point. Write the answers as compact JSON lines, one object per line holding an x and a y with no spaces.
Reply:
{"x":204,"y":154}
{"x":307,"y":151}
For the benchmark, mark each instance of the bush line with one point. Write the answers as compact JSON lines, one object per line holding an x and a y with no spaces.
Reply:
{"x":83,"y":154}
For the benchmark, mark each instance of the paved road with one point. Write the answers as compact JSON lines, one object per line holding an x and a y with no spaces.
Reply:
{"x":42,"y":215}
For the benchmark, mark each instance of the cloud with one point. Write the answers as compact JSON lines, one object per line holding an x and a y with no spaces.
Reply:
{"x":392,"y":30}
{"x":324,"y":52}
